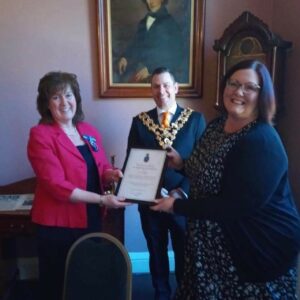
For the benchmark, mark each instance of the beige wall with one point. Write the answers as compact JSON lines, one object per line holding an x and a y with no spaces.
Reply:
{"x":37,"y":36}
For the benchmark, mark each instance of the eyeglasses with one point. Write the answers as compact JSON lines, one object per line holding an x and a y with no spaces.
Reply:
{"x":247,"y":88}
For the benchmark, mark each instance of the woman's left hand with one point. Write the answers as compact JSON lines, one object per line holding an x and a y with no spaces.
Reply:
{"x":112,"y":201}
{"x":164,"y":205}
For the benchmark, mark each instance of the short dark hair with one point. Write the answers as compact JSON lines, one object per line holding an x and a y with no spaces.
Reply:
{"x":161,"y":70}
{"x":52,"y":83}
{"x":266,"y":98}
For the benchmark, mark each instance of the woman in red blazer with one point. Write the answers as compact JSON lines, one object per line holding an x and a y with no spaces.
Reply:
{"x":71,"y":169}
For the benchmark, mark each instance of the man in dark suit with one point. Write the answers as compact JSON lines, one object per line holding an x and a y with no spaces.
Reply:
{"x":147,"y":131}
{"x":158,"y":41}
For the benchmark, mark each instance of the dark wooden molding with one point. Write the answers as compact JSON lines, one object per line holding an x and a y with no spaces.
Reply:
{"x":243,"y":31}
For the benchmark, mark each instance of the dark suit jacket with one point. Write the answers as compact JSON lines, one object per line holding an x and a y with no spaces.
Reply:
{"x":185,"y":141}
{"x":149,"y":50}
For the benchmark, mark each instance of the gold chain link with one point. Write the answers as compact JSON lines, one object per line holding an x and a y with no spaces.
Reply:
{"x":166,"y":136}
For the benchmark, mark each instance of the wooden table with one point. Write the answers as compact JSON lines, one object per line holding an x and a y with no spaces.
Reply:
{"x":14,"y":224}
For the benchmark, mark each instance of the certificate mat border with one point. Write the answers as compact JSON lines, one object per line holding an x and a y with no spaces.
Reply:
{"x":146,"y":202}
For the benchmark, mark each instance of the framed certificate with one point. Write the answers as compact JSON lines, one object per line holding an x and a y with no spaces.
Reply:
{"x":142,"y":177}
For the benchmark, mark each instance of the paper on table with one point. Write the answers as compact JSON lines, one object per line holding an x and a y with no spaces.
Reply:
{"x":16,"y":202}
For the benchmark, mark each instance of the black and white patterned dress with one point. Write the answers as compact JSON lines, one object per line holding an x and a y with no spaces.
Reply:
{"x":209,"y":270}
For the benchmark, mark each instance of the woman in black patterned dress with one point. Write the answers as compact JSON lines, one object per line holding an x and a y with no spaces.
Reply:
{"x":243,"y":232}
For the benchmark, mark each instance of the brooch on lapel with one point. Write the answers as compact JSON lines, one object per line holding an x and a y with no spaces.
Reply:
{"x":92,"y":142}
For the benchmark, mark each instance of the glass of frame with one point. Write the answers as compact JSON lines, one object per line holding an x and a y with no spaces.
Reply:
{"x":142,"y":177}
{"x":127,"y":57}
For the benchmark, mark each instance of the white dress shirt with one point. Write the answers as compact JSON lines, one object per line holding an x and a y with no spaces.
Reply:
{"x":171,"y":111}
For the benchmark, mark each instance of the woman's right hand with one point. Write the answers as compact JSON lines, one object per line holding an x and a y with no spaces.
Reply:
{"x":112,"y":201}
{"x":174,"y":159}
{"x":164,"y":205}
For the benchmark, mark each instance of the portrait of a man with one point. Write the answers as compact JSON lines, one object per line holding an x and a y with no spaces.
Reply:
{"x":146,"y":34}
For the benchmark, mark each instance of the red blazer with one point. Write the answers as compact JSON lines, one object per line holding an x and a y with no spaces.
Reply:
{"x":60,"y":168}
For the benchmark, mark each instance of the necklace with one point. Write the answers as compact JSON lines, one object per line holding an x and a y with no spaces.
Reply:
{"x":166,"y":136}
{"x":74,"y":131}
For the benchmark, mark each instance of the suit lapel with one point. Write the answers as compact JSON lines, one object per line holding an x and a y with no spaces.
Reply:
{"x":153,"y":115}
{"x":84,"y":131}
{"x":177,"y":113}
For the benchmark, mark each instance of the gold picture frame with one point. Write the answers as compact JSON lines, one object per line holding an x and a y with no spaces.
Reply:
{"x":118,"y":21}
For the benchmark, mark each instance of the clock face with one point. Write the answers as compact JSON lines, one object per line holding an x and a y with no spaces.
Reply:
{"x":248,"y":47}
